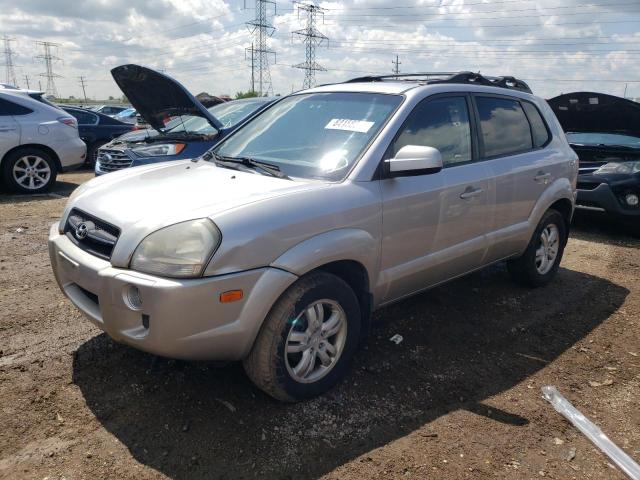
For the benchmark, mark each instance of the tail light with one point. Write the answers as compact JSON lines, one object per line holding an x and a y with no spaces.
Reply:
{"x":70,"y":121}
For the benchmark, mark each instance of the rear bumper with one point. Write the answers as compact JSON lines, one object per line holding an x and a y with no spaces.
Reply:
{"x":71,"y":152}
{"x":179,"y":318}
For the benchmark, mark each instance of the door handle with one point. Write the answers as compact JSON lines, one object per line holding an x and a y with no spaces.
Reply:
{"x":542,"y":177}
{"x":470,"y":192}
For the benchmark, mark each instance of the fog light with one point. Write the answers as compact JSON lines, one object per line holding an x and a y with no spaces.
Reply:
{"x":631,"y":199}
{"x":132,"y":297}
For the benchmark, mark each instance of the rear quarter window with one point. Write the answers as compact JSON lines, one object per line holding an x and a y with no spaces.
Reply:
{"x":504,"y":126}
{"x":9,"y":108}
{"x":539,"y":129}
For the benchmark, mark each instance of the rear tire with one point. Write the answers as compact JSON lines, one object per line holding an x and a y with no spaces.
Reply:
{"x":540,"y":262}
{"x":307,"y":341}
{"x":29,"y":170}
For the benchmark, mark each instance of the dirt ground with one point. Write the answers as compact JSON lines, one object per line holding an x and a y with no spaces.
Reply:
{"x":458,"y":398}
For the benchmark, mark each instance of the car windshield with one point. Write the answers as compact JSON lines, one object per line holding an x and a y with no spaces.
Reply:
{"x":616,"y":139}
{"x":315,"y":135}
{"x":229,"y":114}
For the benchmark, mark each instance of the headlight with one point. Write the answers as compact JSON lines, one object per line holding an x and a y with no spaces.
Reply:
{"x":181,"y":250}
{"x":159,"y":150}
{"x":625,"y":168}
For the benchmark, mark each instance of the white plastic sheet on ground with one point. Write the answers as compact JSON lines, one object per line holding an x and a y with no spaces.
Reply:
{"x":591,"y":431}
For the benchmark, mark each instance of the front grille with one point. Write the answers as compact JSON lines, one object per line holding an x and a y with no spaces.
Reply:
{"x":90,"y":295}
{"x":91,"y":234}
{"x":110,"y":160}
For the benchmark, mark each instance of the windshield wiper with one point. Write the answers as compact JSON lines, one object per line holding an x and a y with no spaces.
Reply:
{"x":268,"y":168}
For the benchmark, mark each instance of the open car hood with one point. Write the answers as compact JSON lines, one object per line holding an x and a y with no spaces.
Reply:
{"x":596,"y":113}
{"x":158,"y":97}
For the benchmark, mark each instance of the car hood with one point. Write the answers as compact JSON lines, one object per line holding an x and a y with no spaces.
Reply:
{"x":135,"y":136}
{"x":146,"y":198}
{"x":596,"y":112}
{"x":157,"y":96}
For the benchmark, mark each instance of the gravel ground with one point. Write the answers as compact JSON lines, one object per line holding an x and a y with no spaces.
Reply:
{"x":458,"y":398}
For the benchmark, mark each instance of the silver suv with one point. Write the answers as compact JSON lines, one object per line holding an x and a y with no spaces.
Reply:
{"x":275,"y":247}
{"x":37,"y":141}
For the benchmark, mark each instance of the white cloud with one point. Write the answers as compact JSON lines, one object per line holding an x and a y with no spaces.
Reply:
{"x":202,"y":42}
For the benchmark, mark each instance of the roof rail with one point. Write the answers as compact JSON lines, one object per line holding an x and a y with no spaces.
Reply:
{"x":399,"y":76}
{"x":449,"y":77}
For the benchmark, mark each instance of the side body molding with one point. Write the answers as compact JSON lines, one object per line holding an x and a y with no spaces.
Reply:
{"x":335,"y":245}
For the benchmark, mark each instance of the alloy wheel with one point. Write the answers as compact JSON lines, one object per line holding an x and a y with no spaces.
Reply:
{"x":316,"y":341}
{"x":548,"y":247}
{"x":31,"y":172}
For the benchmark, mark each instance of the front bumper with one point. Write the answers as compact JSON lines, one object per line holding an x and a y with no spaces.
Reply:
{"x":602,"y":198}
{"x":179,"y":318}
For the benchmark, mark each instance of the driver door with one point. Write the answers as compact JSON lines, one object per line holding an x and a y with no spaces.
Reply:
{"x":434,"y":225}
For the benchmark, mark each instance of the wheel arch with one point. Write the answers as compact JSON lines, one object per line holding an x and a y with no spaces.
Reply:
{"x":565,"y":208}
{"x":48,"y":150}
{"x":559,"y":196}
{"x":350,"y":254}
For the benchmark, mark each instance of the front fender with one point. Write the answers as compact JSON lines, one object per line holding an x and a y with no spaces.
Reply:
{"x":341,"y":244}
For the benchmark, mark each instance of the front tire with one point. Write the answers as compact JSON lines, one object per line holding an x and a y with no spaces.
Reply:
{"x":29,"y":170}
{"x":540,"y":262}
{"x":308,"y":339}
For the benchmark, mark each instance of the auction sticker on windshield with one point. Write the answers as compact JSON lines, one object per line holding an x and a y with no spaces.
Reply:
{"x":349,"y":125}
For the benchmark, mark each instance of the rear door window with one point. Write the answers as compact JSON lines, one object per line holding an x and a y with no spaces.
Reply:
{"x":84,"y":118}
{"x":504,"y":126}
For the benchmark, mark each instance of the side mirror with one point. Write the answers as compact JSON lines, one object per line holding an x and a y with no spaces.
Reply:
{"x":415,"y":160}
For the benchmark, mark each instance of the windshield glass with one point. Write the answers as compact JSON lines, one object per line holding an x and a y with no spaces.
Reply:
{"x":604,"y":139}
{"x":229,"y":114}
{"x":316,"y":135}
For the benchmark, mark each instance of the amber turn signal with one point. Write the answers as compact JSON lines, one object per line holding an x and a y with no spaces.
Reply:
{"x":231,"y":296}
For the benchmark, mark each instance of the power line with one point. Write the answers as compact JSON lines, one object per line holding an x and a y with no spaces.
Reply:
{"x":49,"y":58}
{"x":396,"y":65}
{"x":370,"y":26}
{"x":311,"y":37}
{"x":8,"y":61}
{"x":83,"y":81}
{"x":262,"y":29}
{"x":466,"y":4}
{"x":454,"y":14}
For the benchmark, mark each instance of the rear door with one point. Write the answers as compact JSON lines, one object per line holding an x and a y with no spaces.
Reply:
{"x":9,"y":128}
{"x":434,"y":225}
{"x":513,"y":136}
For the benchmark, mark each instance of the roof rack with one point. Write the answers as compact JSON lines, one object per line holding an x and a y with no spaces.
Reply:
{"x":450,"y":77}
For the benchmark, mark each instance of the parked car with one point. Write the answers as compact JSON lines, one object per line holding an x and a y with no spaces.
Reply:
{"x":604,"y":131}
{"x":110,"y":110}
{"x":276,"y":246}
{"x":128,"y":115}
{"x":176,"y":125}
{"x":96,"y":129}
{"x":37,"y":140}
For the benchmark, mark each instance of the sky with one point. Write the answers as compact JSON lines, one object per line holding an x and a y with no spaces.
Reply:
{"x":556,"y":46}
